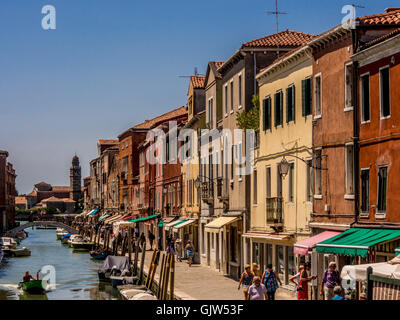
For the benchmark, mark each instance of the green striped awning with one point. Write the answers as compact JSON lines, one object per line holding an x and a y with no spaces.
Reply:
{"x":161,"y":223}
{"x":356,"y":241}
{"x":397,"y":251}
{"x":104,"y":216}
{"x":154,"y":216}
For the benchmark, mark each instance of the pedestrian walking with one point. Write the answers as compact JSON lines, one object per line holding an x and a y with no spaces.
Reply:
{"x":142,"y":240}
{"x":270,"y":279}
{"x":246,"y":280}
{"x":330,"y":280}
{"x":151,"y":238}
{"x":256,"y":270}
{"x":178,"y":249}
{"x":170,"y":250}
{"x":257,"y":291}
{"x":302,"y":289}
{"x":189,"y":252}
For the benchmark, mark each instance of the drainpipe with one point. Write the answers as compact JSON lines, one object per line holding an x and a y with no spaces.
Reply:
{"x":356,"y":153}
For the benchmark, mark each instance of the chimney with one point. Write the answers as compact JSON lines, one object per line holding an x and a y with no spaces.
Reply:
{"x":388,"y":10}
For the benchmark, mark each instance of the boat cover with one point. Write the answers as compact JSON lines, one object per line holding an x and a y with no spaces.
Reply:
{"x":122,"y":263}
{"x":66,"y":236}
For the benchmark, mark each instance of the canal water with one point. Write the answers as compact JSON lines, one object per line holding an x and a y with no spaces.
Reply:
{"x":76,"y":272}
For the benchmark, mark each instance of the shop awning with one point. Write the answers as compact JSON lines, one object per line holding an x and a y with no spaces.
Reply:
{"x":130,"y":217}
{"x":104,"y":216}
{"x":160,"y":224}
{"x":356,"y":241}
{"x":154,"y":216}
{"x":397,"y":251}
{"x":217,"y":224}
{"x":93,"y":212}
{"x":304,"y":246}
{"x":268,"y":236}
{"x":170,"y":222}
{"x":112,"y":219}
{"x":182,"y":224}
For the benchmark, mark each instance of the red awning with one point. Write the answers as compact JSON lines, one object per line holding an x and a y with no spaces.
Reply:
{"x":304,"y":246}
{"x":130,"y":217}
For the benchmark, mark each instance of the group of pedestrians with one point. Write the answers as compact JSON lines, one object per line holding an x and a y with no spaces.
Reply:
{"x":263,"y":287}
{"x":259,"y":287}
{"x":175,"y":247}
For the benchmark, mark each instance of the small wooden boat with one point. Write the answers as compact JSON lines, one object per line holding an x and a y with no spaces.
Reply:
{"x":99,"y":254}
{"x":8,"y":243}
{"x":33,"y":286}
{"x":21,"y":252}
{"x":65,"y":238}
{"x":72,"y":237}
{"x":60,"y":233}
{"x":46,"y":228}
{"x":22,"y":235}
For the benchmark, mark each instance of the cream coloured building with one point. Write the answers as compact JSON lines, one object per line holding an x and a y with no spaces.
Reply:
{"x":281,"y":204}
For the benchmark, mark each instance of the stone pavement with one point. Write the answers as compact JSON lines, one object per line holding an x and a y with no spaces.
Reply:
{"x":202,"y":283}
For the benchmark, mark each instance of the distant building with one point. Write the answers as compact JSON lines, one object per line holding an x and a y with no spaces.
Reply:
{"x":20,"y":203}
{"x":7,"y":192}
{"x":73,"y":192}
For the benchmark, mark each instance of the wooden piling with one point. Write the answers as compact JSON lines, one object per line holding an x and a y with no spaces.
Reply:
{"x":142,"y":263}
{"x":130,"y":244}
{"x":166,"y":277}
{"x":172,"y":278}
{"x":156,"y":261}
{"x":151,"y":266}
{"x":135,"y":267}
{"x":161,"y":280}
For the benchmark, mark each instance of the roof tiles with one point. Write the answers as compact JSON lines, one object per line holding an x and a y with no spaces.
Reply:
{"x":287,"y":38}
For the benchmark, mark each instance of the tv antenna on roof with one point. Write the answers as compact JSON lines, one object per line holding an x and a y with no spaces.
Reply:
{"x":196,"y":73}
{"x":276,"y":13}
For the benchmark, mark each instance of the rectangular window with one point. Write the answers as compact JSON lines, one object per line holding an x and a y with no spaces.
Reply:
{"x":280,"y":263}
{"x":365,"y":101}
{"x":309,"y":181}
{"x":210,"y":112}
{"x":267,"y":114}
{"x":268,"y":181}
{"x":348,"y":86}
{"x":306,"y":86}
{"x":232,"y":159}
{"x":231,"y":95}
{"x":382,"y":189}
{"x":278,"y":108}
{"x":291,"y":183}
{"x":255,"y":186}
{"x":318,"y":96}
{"x":226,"y":99}
{"x":290,"y":104}
{"x":385,"y":92}
{"x":365,"y":190}
{"x":349,"y":169}
{"x":318,"y":172}
{"x":240,"y":90}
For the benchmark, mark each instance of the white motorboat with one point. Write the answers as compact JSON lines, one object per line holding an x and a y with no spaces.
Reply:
{"x":8,"y":243}
{"x":22,"y":235}
{"x":80,"y":242}
{"x":72,"y":237}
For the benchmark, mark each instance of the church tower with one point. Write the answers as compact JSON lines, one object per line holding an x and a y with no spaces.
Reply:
{"x":75,"y":179}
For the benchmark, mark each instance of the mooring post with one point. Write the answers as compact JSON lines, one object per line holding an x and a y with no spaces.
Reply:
{"x":130,"y":244}
{"x":160,"y":281}
{"x":142,"y":263}
{"x":172,"y":280}
{"x":156,"y":261}
{"x":135,"y":267}
{"x":166,"y":277}
{"x":150,"y":269}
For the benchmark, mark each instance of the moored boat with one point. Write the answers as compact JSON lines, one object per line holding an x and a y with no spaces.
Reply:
{"x":65,"y":238}
{"x":60,"y":233}
{"x":114,"y":266}
{"x":21,"y":252}
{"x":8,"y":243}
{"x":80,"y":242}
{"x":22,"y":235}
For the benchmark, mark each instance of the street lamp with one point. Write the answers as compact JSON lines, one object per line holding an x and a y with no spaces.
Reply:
{"x":284,"y":167}
{"x":197,"y":183}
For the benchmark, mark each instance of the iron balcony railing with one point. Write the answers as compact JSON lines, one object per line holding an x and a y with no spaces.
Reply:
{"x":207,"y":191}
{"x":274,"y":210}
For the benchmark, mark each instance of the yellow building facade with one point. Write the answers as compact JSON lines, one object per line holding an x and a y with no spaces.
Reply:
{"x":281,"y":182}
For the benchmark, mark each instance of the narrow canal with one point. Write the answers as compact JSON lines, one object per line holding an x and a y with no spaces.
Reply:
{"x":76,"y":272}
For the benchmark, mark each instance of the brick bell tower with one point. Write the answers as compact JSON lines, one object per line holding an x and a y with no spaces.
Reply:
{"x":75,"y":179}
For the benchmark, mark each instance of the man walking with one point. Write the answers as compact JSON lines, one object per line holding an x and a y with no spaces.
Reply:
{"x":330,"y":280}
{"x":257,"y":291}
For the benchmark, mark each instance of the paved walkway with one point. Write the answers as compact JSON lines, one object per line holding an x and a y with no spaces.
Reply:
{"x":202,"y":283}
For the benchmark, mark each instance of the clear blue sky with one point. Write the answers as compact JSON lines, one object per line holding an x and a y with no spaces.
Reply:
{"x":112,"y":64}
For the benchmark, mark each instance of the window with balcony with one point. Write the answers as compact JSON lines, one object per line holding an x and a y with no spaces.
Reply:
{"x":382,"y":190}
{"x":365,"y":98}
{"x":365,"y":191}
{"x":290,"y":104}
{"x":278,"y":181}
{"x":385,"y":92}
{"x":268,"y":181}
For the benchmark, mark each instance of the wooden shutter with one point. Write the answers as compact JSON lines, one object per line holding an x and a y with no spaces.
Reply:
{"x":293,"y":103}
{"x":303,"y":97}
{"x":287,"y":105}
{"x":269,"y":114}
{"x":281,"y":107}
{"x":264,"y":114}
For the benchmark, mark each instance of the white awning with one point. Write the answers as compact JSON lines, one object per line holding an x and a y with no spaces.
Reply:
{"x":183,"y":224}
{"x":216,"y":225}
{"x":169,"y":225}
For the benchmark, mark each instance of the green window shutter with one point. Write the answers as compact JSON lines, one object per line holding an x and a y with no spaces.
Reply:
{"x":293,"y":103}
{"x":287,"y":105}
{"x":310,"y":92}
{"x":303,"y":97}
{"x":265,"y":114}
{"x":281,"y":108}
{"x":276,"y":109}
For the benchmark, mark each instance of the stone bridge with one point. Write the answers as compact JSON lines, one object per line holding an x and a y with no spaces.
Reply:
{"x":13,"y":232}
